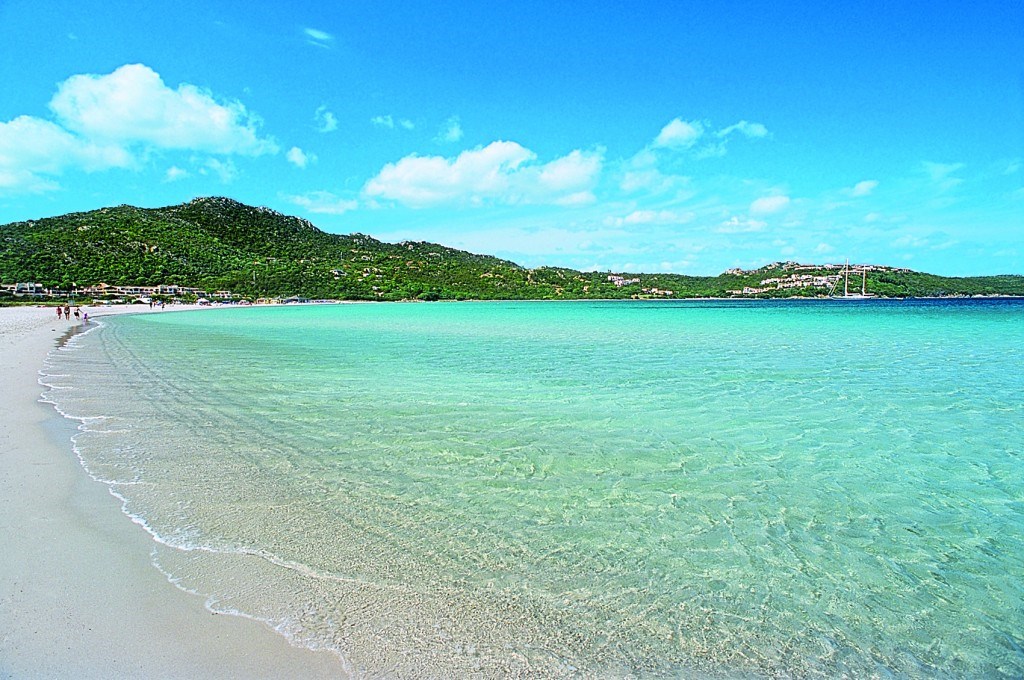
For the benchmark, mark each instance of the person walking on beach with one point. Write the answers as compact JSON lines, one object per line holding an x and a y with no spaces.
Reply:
{"x":67,"y":312}
{"x":78,"y":311}
{"x":85,"y":317}
{"x":60,"y":312}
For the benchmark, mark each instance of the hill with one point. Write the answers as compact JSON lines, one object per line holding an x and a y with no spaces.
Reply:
{"x":220,"y":244}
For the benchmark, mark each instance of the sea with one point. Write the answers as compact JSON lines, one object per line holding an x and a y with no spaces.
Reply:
{"x":619,"y":489}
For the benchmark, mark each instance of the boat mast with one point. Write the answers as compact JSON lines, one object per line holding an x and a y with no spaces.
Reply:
{"x":846,"y":282}
{"x":864,"y":282}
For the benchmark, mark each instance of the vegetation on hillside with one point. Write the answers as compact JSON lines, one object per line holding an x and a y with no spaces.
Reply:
{"x":220,"y":244}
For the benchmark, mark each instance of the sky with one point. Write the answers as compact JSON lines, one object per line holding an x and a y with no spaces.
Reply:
{"x":686,"y":137}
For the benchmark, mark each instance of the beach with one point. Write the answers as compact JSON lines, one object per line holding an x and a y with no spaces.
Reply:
{"x":79,"y":596}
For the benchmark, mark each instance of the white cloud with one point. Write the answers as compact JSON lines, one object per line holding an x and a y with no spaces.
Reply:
{"x":389,"y":122}
{"x":931,"y":241}
{"x":133,"y":106}
{"x":325,"y":120}
{"x":225,"y":169}
{"x":39,"y":146}
{"x":424,"y":180}
{"x":451,"y":132}
{"x":319,"y":38}
{"x":716,"y":150}
{"x":650,"y":217}
{"x":16,"y":180}
{"x":117,"y":120}
{"x":863,"y":188}
{"x":641,"y":174}
{"x":299,"y":158}
{"x":174,"y":173}
{"x":740,"y":225}
{"x":569,"y":173}
{"x":941,"y":174}
{"x":823,"y":249}
{"x":682,"y":135}
{"x":767,"y":205}
{"x":31,"y":148}
{"x":752,"y":130}
{"x":323,"y":202}
{"x":679,"y":134}
{"x":501,"y":172}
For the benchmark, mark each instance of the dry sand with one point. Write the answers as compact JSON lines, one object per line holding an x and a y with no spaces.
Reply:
{"x":78,"y":595}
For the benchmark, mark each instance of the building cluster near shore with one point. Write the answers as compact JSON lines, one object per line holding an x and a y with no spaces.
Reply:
{"x":804,"y":280}
{"x":621,"y":281}
{"x":107,"y":292}
{"x":791,"y":281}
{"x":798,"y":267}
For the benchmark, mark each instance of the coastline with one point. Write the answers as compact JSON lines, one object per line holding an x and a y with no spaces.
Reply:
{"x":79,"y":596}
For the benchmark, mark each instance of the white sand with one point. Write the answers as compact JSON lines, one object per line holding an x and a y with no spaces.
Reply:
{"x":78,"y":595}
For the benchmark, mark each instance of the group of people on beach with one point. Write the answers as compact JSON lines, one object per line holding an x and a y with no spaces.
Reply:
{"x":65,"y":313}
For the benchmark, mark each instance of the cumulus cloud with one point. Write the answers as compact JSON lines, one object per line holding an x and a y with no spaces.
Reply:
{"x":117,"y":120}
{"x":767,"y":205}
{"x":299,"y":158}
{"x":32,"y":149}
{"x":451,"y":132}
{"x":323,"y":202}
{"x":501,"y":172}
{"x":17,"y":180}
{"x":39,"y":146}
{"x":132,"y":105}
{"x":325,"y":120}
{"x":679,"y":134}
{"x":863,"y":188}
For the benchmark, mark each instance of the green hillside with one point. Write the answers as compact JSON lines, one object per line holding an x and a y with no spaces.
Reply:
{"x":220,"y":244}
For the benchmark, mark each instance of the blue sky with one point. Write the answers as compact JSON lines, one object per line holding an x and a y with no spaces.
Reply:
{"x":682,"y":137}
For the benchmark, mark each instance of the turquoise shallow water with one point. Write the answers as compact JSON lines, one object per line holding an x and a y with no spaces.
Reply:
{"x":805,"y":489}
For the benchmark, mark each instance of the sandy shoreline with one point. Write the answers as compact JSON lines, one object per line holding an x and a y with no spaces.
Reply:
{"x":78,"y":594}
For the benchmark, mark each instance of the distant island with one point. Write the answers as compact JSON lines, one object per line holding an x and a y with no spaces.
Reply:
{"x":220,"y":248}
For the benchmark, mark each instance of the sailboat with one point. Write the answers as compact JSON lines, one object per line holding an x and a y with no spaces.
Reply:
{"x":847,"y":295}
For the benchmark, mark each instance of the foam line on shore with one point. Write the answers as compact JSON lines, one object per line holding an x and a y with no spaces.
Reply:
{"x":83,"y":425}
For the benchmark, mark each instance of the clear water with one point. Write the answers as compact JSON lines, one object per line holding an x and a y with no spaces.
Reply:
{"x":803,"y":489}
